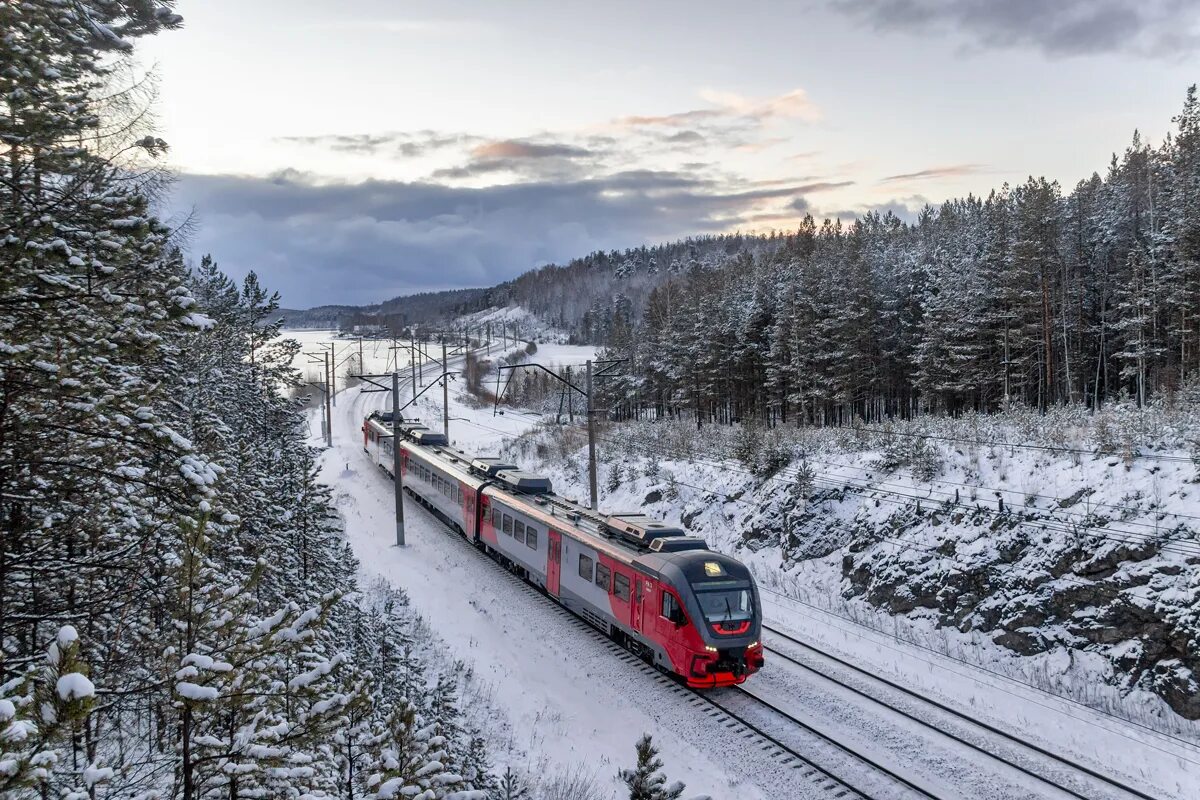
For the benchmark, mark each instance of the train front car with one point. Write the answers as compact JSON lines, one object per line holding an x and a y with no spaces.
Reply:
{"x":721,"y":610}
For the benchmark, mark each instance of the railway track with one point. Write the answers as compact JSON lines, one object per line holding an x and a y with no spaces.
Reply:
{"x":1032,"y":751}
{"x":865,"y":776}
{"x":830,"y":781}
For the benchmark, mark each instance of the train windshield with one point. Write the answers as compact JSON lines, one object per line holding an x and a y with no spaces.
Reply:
{"x":728,"y":607}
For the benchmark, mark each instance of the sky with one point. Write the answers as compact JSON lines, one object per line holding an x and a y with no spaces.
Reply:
{"x":354,"y":151}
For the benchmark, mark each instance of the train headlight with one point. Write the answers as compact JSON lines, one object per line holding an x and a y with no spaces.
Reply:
{"x":710,"y":648}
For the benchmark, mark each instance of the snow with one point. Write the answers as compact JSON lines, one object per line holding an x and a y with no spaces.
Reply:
{"x":195,"y":692}
{"x":94,"y":774}
{"x":577,"y":703}
{"x":74,"y":686}
{"x":67,"y":635}
{"x":933,"y":661}
{"x":563,"y":697}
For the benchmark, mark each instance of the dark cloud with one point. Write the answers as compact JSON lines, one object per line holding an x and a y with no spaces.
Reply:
{"x":948,"y":171}
{"x":321,"y":242}
{"x":1152,"y":28}
{"x":800,"y":205}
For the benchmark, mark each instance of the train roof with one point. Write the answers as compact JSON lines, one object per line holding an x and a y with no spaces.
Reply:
{"x":634,"y":537}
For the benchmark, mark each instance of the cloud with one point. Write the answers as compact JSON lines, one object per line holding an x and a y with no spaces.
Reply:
{"x":792,"y":105}
{"x":906,"y":208}
{"x":517,"y":148}
{"x":731,"y":108}
{"x":800,"y":205}
{"x":822,"y":186}
{"x":672,"y":120}
{"x":334,"y":242}
{"x":684,"y":137}
{"x":410,"y":144}
{"x":526,"y":158}
{"x":1059,"y":28}
{"x":948,"y":171}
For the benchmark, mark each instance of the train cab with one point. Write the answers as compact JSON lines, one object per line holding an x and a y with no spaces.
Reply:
{"x":711,"y":604}
{"x":724,"y":606}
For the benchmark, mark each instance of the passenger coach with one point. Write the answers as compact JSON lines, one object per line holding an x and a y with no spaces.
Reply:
{"x":662,"y":594}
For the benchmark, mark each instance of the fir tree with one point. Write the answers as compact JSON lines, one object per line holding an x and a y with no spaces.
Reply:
{"x":645,"y":781}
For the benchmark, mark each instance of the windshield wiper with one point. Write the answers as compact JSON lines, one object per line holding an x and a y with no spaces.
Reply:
{"x":728,"y":611}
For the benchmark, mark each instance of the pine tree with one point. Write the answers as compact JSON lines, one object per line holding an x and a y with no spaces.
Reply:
{"x":645,"y":781}
{"x":510,"y":787}
{"x":40,"y":713}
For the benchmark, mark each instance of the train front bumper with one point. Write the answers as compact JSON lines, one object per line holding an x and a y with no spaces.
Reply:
{"x":724,"y":666}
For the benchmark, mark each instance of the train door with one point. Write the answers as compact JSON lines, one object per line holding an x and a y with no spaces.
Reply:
{"x":643,"y":591}
{"x":554,"y":562}
{"x":468,"y":495}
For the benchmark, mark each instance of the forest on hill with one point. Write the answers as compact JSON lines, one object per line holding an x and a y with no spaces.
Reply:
{"x":1030,"y":296}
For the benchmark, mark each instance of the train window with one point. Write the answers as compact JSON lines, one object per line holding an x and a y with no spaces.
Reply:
{"x":602,"y":575}
{"x":585,"y":567}
{"x":519,"y":530}
{"x":508,"y":524}
{"x":669,"y":605}
{"x":621,"y":586}
{"x":531,"y":537}
{"x":495,"y":516}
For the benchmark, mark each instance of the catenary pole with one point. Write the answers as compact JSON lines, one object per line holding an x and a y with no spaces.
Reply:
{"x":328,"y":405}
{"x":399,"y":487}
{"x":591,"y":428}
{"x":333,"y":374}
{"x":445,"y":393}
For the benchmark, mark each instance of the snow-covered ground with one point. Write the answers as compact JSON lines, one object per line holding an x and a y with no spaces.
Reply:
{"x":966,"y":670}
{"x":561,"y":698}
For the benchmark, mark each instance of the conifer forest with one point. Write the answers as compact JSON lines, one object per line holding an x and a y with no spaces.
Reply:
{"x":886,"y":503}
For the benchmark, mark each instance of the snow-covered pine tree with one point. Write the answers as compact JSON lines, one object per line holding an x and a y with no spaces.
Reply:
{"x":255,"y":696}
{"x":646,"y":781}
{"x":409,"y":760}
{"x":40,"y":713}
{"x":510,"y":787}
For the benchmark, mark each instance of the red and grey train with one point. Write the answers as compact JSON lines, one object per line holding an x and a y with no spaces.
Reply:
{"x":660,"y":593}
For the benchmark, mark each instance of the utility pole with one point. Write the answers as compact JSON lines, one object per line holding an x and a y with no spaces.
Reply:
{"x":396,"y":458}
{"x":570,"y":400}
{"x":445,"y":393}
{"x":331,"y":377}
{"x":591,"y":428}
{"x":328,"y":403}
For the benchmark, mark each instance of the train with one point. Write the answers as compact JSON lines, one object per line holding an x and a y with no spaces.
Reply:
{"x":649,"y":586}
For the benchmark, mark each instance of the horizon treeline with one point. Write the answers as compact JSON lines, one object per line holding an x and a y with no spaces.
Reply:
{"x":1031,"y":295}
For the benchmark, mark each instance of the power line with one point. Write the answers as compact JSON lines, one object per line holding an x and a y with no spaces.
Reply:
{"x":985,"y":669}
{"x":845,"y":483}
{"x":907,"y":544}
{"x":838,"y":483}
{"x":1047,"y":448}
{"x":835,"y":482}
